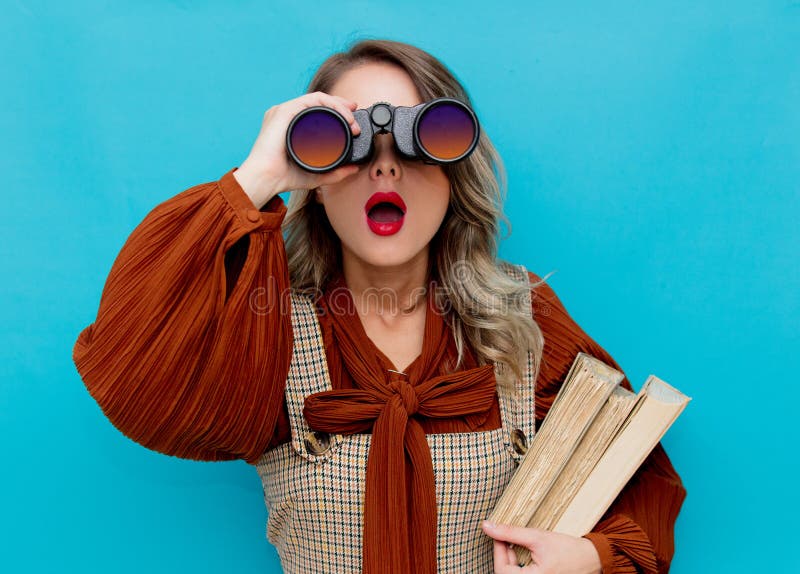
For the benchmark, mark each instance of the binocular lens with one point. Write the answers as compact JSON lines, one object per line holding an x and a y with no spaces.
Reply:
{"x":319,"y":138}
{"x":446,"y":131}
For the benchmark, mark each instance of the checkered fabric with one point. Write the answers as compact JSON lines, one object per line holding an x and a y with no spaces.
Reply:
{"x":316,"y":501}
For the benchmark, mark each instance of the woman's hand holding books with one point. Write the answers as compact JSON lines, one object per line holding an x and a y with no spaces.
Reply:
{"x":550,"y":551}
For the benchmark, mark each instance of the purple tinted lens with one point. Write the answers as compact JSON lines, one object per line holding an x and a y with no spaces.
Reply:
{"x":318,"y":138}
{"x":446,"y":131}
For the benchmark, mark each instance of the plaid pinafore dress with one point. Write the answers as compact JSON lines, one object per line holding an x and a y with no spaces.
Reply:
{"x":314,"y":485}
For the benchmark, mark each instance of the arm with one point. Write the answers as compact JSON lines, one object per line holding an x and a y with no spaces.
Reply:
{"x":637,"y":531}
{"x":190,"y":349}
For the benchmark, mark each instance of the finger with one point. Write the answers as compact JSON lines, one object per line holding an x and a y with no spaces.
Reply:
{"x":516,"y":534}
{"x":512,"y":556}
{"x":505,"y":559}
{"x":356,"y":127}
{"x":338,"y":174}
{"x":339,"y":104}
{"x":530,"y":568}
{"x":349,"y":103}
{"x":500,"y":553}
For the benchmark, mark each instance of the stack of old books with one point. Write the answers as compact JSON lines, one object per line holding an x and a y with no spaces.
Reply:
{"x":593,"y":439}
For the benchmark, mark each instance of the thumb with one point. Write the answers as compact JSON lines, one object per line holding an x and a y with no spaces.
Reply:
{"x":519,"y":535}
{"x":338,"y":174}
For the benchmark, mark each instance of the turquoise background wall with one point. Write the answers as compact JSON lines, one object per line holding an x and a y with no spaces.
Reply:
{"x":653,"y":159}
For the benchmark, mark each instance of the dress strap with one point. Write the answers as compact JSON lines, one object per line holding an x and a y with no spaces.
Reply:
{"x":518,"y":411}
{"x":308,"y":374}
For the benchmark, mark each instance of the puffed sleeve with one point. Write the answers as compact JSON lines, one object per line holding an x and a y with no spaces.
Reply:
{"x":189,"y":351}
{"x":637,"y":532}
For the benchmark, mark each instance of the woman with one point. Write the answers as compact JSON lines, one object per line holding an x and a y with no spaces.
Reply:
{"x":384,"y":431}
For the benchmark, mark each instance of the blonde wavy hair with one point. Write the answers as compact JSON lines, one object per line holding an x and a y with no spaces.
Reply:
{"x":485,"y":306}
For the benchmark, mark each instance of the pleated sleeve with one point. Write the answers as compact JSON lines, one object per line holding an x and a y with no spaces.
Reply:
{"x":636,"y":534}
{"x":189,"y":351}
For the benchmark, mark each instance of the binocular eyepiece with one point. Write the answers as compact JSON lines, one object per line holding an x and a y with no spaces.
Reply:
{"x":440,"y":131}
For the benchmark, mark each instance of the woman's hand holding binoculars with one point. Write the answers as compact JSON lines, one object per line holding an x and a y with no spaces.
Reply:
{"x":320,"y":139}
{"x":268,"y":169}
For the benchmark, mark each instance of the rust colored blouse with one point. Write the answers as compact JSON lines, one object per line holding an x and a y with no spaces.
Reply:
{"x":192,"y":342}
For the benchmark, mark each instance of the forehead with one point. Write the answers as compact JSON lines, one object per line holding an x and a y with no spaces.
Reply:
{"x":377,"y":82}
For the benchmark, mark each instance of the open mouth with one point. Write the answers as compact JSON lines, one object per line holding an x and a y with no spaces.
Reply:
{"x":385,"y":212}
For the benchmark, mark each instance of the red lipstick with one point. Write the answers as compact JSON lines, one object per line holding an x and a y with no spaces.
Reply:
{"x":385,"y":226}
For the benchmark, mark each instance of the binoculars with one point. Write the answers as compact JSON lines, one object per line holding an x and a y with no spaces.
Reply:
{"x":440,"y":131}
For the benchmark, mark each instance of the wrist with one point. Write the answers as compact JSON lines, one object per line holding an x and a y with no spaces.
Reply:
{"x":259,"y":186}
{"x":594,"y":557}
{"x":602,"y":550}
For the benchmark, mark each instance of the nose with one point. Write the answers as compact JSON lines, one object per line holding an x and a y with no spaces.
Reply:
{"x":384,"y":161}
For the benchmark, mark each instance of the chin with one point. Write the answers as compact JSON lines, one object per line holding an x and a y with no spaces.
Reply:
{"x":387,"y":256}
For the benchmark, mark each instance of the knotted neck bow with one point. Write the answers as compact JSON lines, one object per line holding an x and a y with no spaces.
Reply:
{"x":400,"y":497}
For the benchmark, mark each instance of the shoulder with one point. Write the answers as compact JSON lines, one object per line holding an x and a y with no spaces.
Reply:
{"x":560,"y":331}
{"x":544,"y":300}
{"x":551,"y":314}
{"x":563,"y":337}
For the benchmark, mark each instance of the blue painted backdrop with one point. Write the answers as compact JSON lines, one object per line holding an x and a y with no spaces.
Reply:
{"x":653,"y":159}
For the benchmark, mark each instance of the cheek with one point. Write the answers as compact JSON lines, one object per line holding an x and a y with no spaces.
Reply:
{"x":343,"y":218}
{"x":433,"y":203}
{"x":433,"y":210}
{"x":338,"y":207}
{"x":439,"y":184}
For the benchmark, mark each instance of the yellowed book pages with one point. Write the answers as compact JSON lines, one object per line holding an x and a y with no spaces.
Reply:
{"x":657,"y":406}
{"x":594,"y":443}
{"x":585,"y":390}
{"x":583,"y":460}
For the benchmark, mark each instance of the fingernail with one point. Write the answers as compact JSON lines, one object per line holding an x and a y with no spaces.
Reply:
{"x":489,"y":525}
